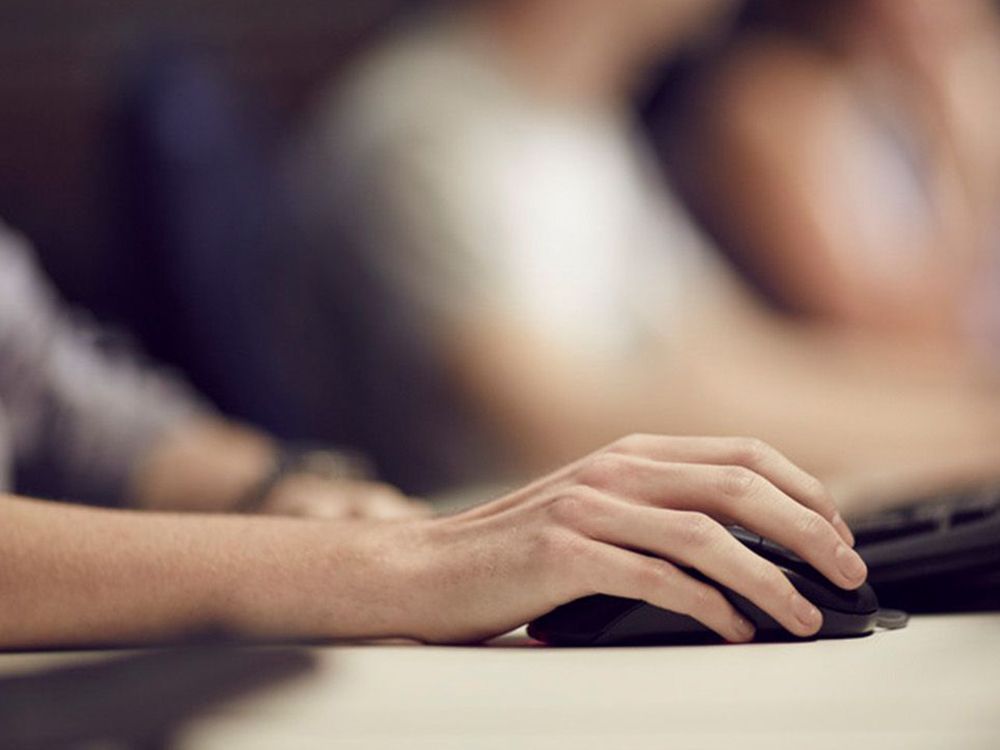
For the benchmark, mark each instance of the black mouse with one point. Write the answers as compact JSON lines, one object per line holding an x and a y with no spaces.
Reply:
{"x":613,"y":621}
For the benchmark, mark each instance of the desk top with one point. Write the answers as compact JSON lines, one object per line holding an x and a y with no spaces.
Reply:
{"x":935,"y":684}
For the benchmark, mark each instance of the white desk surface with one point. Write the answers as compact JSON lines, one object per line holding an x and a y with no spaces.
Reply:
{"x":934,"y":685}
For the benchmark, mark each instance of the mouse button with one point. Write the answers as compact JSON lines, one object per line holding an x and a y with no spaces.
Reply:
{"x":767,"y":549}
{"x":745,"y":536}
{"x":582,"y":619}
{"x":647,"y":624}
{"x":836,"y":624}
{"x":776,"y":551}
{"x":865,"y":598}
{"x":766,"y":626}
{"x":827,"y":595}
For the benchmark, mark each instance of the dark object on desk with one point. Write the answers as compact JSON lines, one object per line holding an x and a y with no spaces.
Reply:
{"x":611,"y":621}
{"x":940,"y":554}
{"x":136,"y":701}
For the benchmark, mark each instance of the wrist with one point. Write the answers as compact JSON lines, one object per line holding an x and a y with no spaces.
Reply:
{"x":291,"y":464}
{"x":204,"y":466}
{"x":356,"y":580}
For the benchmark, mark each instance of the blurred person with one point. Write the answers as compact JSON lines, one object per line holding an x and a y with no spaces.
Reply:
{"x":527,"y":286}
{"x":364,"y":562}
{"x":79,"y":421}
{"x":848,"y":150}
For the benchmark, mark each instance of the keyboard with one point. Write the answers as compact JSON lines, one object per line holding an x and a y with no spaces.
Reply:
{"x":936,"y":554}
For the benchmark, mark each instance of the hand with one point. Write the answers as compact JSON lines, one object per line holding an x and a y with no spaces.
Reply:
{"x":581,"y":531}
{"x":307,"y":496}
{"x":209,"y":465}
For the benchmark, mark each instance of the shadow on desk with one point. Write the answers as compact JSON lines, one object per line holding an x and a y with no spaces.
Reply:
{"x":137,"y":700}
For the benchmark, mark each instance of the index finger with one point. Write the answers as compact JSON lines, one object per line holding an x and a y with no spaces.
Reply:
{"x":747,"y":452}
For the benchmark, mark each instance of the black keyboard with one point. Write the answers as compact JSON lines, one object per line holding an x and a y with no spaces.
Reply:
{"x":940,"y":553}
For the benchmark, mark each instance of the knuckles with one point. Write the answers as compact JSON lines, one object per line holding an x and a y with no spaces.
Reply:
{"x":817,"y":491}
{"x":770,"y":583}
{"x":813,"y":529}
{"x":705,"y":600}
{"x":575,"y":507}
{"x":696,"y":530}
{"x":553,"y":547}
{"x":751,"y":452}
{"x":654,"y":575}
{"x":603,"y":471}
{"x":738,"y":482}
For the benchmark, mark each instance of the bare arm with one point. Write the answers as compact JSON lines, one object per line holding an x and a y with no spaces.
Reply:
{"x":75,"y":576}
{"x":210,"y":465}
{"x":841,"y":407}
{"x":85,"y":576}
{"x":843,"y":225}
{"x":205,"y":465}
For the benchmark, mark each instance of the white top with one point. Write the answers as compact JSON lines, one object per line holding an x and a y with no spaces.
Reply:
{"x":465,"y":193}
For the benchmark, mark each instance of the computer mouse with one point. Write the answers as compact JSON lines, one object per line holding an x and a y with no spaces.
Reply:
{"x":613,"y":621}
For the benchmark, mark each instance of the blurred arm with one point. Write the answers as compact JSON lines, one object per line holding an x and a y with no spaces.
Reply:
{"x":832,"y":210}
{"x":843,"y":407}
{"x":93,"y":425}
{"x":478,"y":266}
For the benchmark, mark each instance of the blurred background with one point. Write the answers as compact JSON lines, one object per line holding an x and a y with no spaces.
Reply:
{"x":89,"y":88}
{"x":839,"y":158}
{"x":68,"y":69}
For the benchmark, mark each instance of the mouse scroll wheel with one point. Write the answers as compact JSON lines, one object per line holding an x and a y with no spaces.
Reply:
{"x":764,"y":547}
{"x":747,"y":537}
{"x":777,"y":550}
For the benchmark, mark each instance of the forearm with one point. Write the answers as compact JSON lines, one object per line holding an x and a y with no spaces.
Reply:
{"x":77,"y":576}
{"x":836,"y":407}
{"x":205,"y":465}
{"x":836,"y":412}
{"x":73,"y":576}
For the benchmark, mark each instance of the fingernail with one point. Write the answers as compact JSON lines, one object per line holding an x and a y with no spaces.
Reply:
{"x":744,"y":629}
{"x":843,"y":529}
{"x":851,"y":564}
{"x":806,"y":613}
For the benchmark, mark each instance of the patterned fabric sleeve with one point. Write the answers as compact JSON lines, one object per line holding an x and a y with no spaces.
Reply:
{"x":79,"y":417}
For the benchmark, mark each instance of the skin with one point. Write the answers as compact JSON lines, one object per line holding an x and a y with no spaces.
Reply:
{"x":589,"y":51}
{"x":786,"y":118}
{"x":74,"y":576}
{"x":209,"y":466}
{"x":849,"y":409}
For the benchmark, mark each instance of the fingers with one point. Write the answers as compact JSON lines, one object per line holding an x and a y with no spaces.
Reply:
{"x":618,"y":572}
{"x":746,"y":452}
{"x":696,"y":541}
{"x":760,"y":506}
{"x":739,"y":495}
